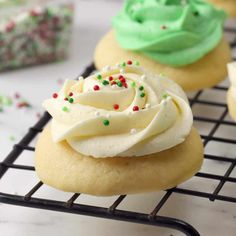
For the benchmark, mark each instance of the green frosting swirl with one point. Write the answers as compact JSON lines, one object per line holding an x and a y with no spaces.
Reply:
{"x":172,"y":32}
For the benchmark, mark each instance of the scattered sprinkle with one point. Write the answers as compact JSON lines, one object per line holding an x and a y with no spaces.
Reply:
{"x":105,"y":82}
{"x":133,"y":84}
{"x":110,"y":78}
{"x":71,"y":94}
{"x":142,"y":95}
{"x":97,"y":113}
{"x":23,"y":104}
{"x":70,"y":100}
{"x":133,"y":131}
{"x":106,"y":122}
{"x":129,"y":62}
{"x":165,"y":95}
{"x":119,"y":84}
{"x":96,"y":88}
{"x":141,"y":88}
{"x":116,"y":106}
{"x":65,"y":109}
{"x":99,"y":77}
{"x":16,"y":95}
{"x":106,"y":68}
{"x":135,"y":108}
{"x":143,"y":77}
{"x":123,"y":64}
{"x":122,"y":79}
{"x":81,"y":78}
{"x":12,"y":138}
{"x":55,"y":95}
{"x":137,"y":63}
{"x":122,"y":70}
{"x":118,"y":65}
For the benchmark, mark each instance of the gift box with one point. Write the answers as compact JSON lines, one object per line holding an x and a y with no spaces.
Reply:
{"x":34,"y":32}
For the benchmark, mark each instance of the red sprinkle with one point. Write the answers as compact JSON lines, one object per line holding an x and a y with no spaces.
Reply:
{"x":96,"y":88}
{"x":113,"y":82}
{"x":125,"y":85}
{"x":55,"y":95}
{"x":116,"y":106}
{"x":135,"y":108}
{"x":122,"y":79}
{"x":34,"y":13}
{"x":23,"y":104}
{"x":66,"y":99}
{"x":10,"y":26}
{"x":110,"y":78}
{"x":129,"y":62}
{"x":17,"y":95}
{"x":71,"y":94}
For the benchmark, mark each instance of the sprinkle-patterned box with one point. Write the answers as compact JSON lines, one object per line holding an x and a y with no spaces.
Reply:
{"x":34,"y":32}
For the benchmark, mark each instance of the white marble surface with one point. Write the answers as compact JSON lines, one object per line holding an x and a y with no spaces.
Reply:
{"x":38,"y":83}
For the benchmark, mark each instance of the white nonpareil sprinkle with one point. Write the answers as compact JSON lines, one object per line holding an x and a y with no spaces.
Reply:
{"x":118,"y":65}
{"x":133,"y":131}
{"x":114,"y":86}
{"x":97,"y":113}
{"x":147,"y":106}
{"x":106,"y":68}
{"x":81,"y":78}
{"x":143,"y":77}
{"x":122,"y":70}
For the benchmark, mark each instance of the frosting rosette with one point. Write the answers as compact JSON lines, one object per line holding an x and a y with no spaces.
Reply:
{"x":122,"y":111}
{"x":172,"y":32}
{"x":232,"y":77}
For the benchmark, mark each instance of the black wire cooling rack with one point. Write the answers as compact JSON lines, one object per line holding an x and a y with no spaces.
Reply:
{"x":112,"y":212}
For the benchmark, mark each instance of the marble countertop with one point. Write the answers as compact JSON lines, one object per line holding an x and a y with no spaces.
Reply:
{"x":37,"y":83}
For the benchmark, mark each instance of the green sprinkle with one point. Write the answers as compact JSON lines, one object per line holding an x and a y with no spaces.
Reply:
{"x":142,"y":95}
{"x":65,"y":109}
{"x":106,"y":122}
{"x":70,"y":100}
{"x":123,"y":64}
{"x":12,"y":138}
{"x":141,"y":88}
{"x":119,"y":84}
{"x":99,"y":77}
{"x":133,"y":84}
{"x":136,"y":63}
{"x":105,"y":82}
{"x":165,"y":95}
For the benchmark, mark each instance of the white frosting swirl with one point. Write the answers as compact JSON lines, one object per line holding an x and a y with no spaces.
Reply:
{"x":232,"y":77}
{"x":105,"y":122}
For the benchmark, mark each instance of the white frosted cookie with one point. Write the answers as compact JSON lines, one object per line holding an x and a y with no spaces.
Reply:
{"x":119,"y":131}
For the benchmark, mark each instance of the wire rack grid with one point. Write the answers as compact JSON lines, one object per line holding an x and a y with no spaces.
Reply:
{"x":112,"y":212}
